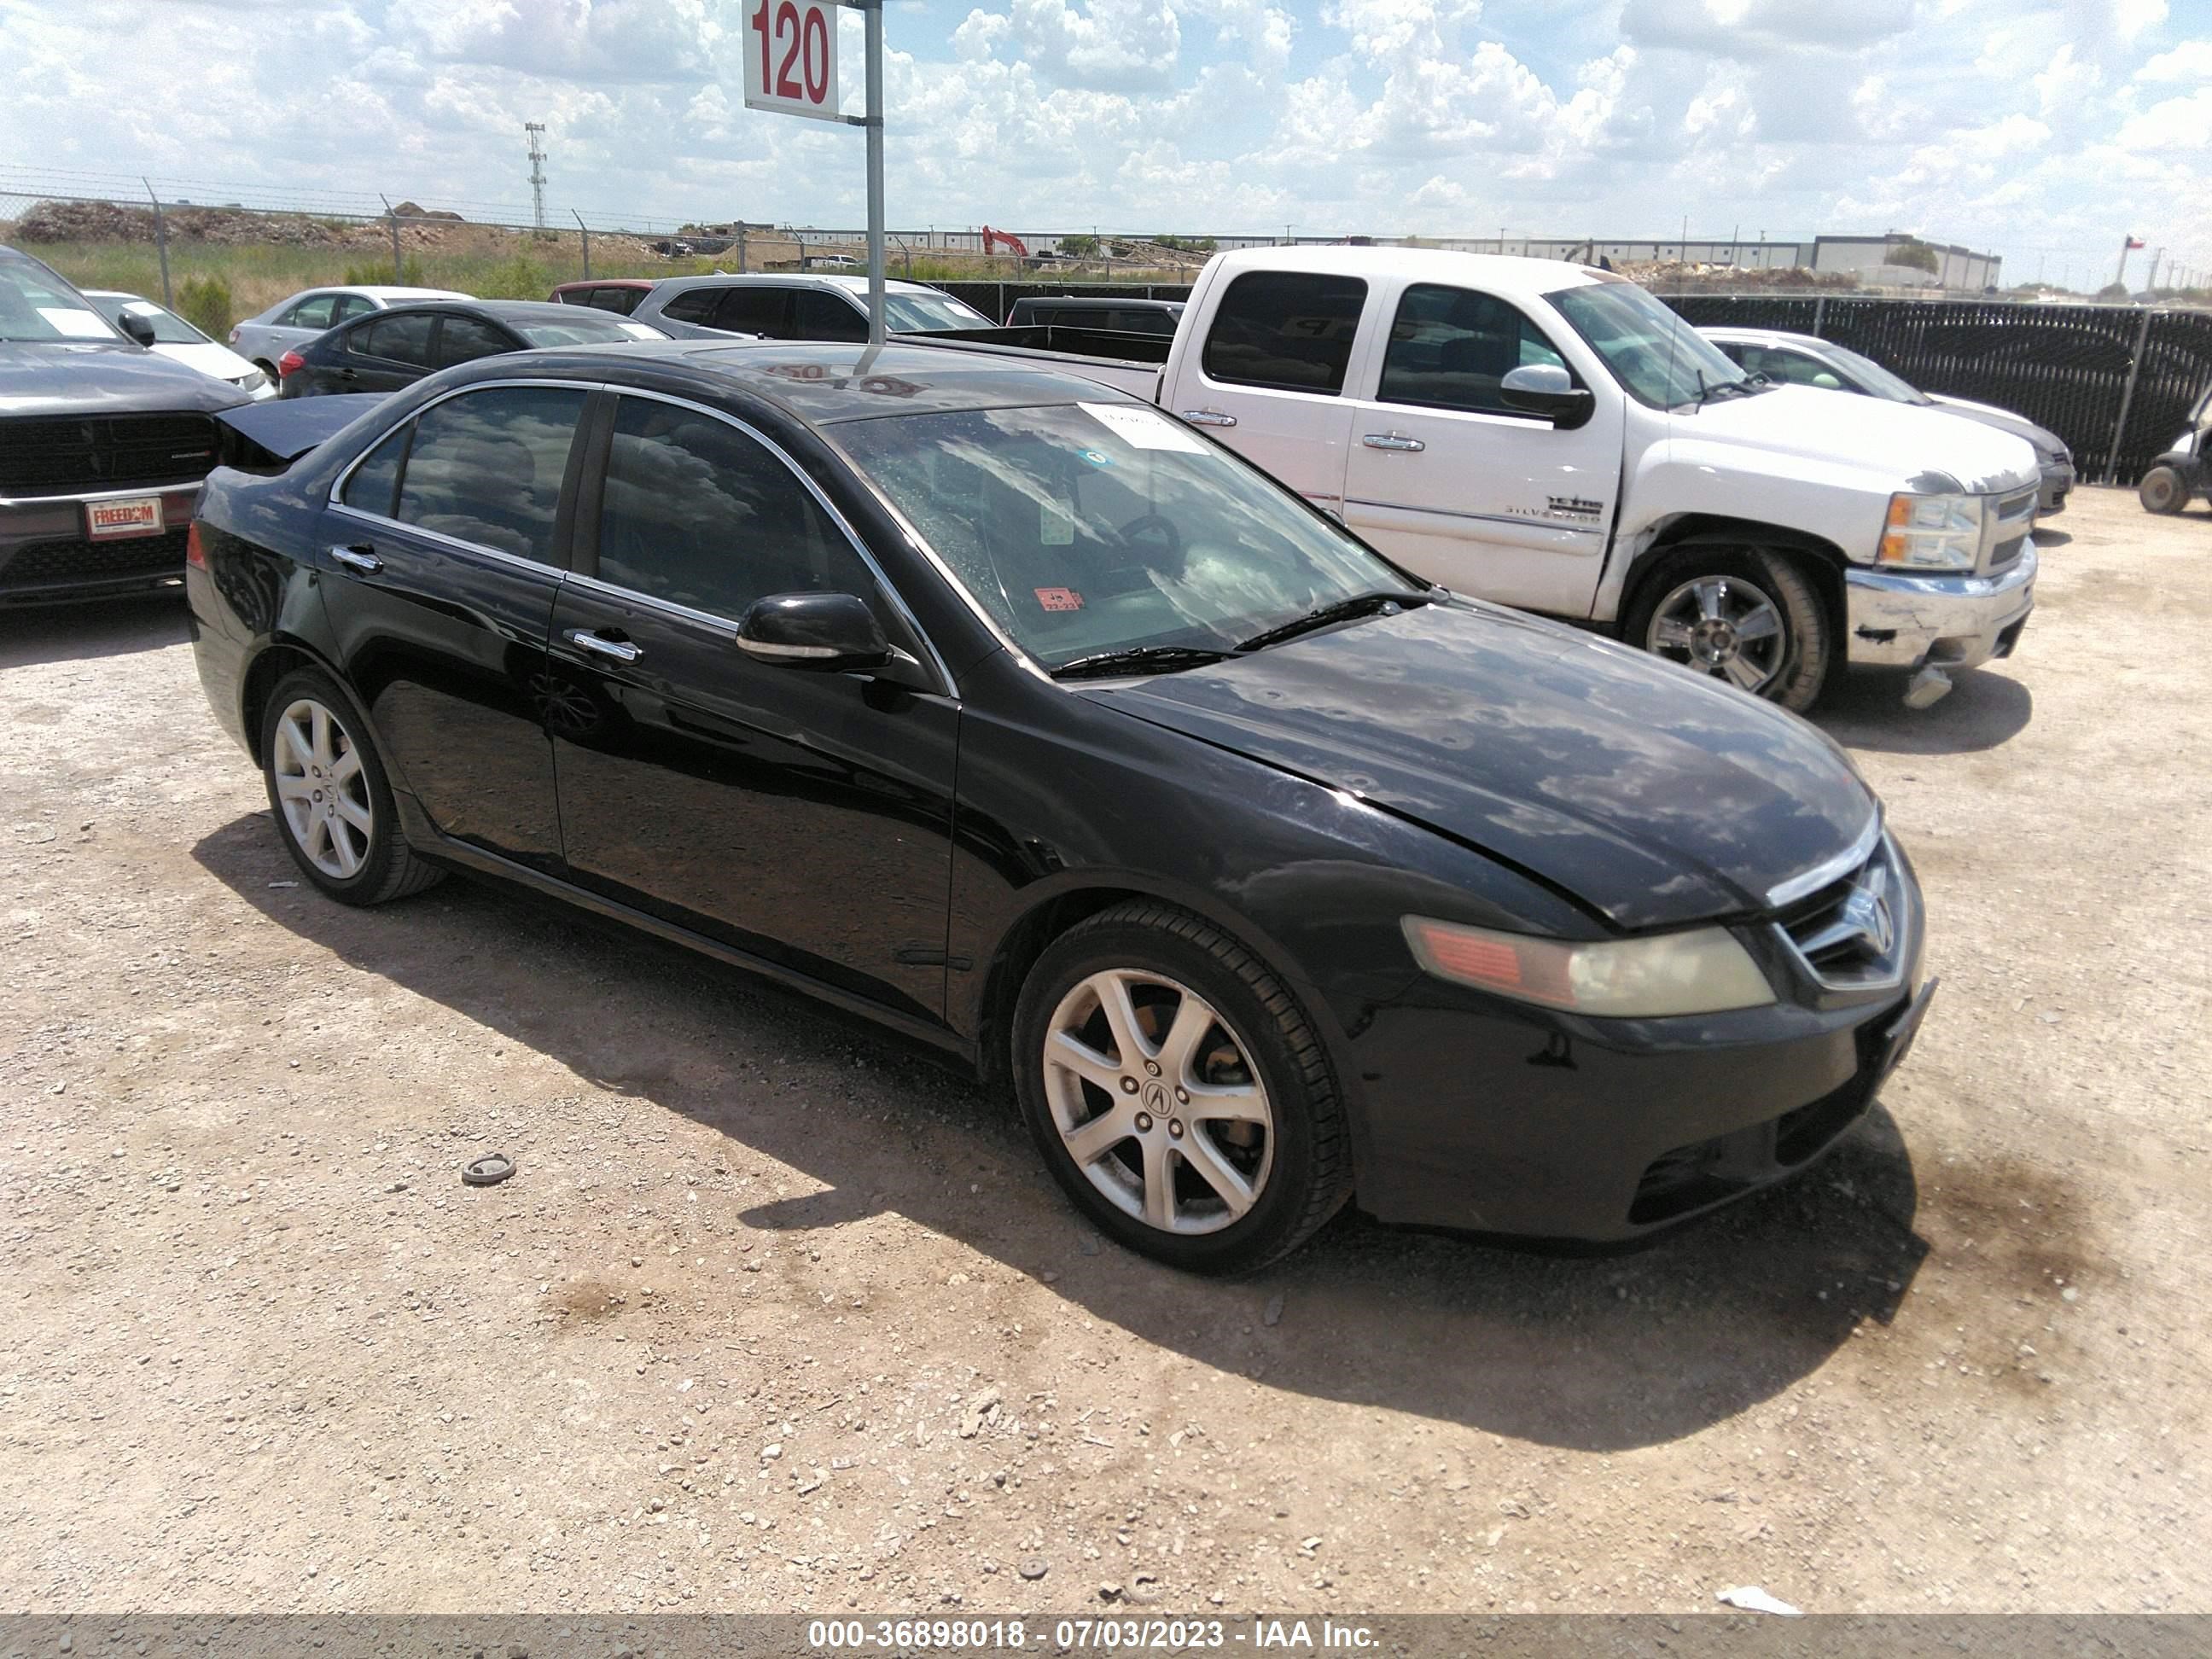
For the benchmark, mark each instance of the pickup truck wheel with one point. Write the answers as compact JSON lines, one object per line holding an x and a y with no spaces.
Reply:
{"x":1741,"y":614}
{"x":2163,"y":490}
{"x":1178,"y":1092}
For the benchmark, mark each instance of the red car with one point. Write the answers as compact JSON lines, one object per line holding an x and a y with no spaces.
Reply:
{"x":619,"y":295}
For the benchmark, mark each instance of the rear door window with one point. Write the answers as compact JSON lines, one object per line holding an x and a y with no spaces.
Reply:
{"x":1452,"y":347}
{"x":751,"y":310}
{"x":486,"y":467}
{"x":376,"y":480}
{"x":312,"y":312}
{"x":697,"y":513}
{"x":620,"y":301}
{"x":403,"y":338}
{"x":351,"y":305}
{"x":1290,"y":330}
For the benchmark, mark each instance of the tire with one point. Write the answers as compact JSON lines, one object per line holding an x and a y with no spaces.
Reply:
{"x":1749,"y":586}
{"x":2164,"y":490}
{"x":356,"y":856}
{"x":1172,"y":1099}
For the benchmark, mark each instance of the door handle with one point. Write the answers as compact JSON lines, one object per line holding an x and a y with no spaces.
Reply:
{"x":615,"y":650}
{"x":358,"y":557}
{"x":1394,"y":440}
{"x":348,"y":374}
{"x":1207,"y":418}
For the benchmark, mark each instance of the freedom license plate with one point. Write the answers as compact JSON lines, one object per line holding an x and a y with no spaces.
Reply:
{"x":131,"y":515}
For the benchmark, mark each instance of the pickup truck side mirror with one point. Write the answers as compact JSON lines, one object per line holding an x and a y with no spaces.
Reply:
{"x":1547,"y":389}
{"x":828,"y":633}
{"x":139,"y":328}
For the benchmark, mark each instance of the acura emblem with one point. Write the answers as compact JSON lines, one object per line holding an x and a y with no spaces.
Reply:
{"x":1866,"y":911}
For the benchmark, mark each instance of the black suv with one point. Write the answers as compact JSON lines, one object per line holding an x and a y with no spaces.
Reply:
{"x":103,"y":445}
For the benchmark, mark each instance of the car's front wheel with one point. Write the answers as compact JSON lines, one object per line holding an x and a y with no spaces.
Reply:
{"x":1742,"y":614}
{"x":332,"y":802}
{"x":1178,"y":1093}
{"x":2163,"y":489}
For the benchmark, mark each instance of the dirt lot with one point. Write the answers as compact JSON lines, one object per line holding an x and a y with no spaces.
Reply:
{"x":774,"y":1316}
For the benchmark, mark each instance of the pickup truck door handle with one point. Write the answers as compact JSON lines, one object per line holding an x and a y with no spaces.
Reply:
{"x":358,"y":557}
{"x":1208,"y":417}
{"x":1397,"y":440}
{"x":599,"y":645}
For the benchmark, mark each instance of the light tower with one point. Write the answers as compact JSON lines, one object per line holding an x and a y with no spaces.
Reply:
{"x":537,"y":169}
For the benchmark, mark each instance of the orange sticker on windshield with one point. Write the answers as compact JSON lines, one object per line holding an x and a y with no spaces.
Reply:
{"x":1058,"y":599}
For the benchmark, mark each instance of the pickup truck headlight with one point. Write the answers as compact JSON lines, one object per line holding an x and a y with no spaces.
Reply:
{"x":1704,"y":971}
{"x":1932,"y":532}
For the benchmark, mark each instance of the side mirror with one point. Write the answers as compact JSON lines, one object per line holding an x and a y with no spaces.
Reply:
{"x":139,"y":328}
{"x":829,"y":633}
{"x":1547,"y":389}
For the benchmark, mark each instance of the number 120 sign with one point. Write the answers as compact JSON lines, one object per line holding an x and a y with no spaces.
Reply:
{"x":792,"y":65}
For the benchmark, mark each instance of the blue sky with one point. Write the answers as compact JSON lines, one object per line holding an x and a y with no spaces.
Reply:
{"x":2044,"y":131}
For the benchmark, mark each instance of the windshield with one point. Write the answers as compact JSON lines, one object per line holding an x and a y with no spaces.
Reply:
{"x":169,"y":328}
{"x":1659,"y":357}
{"x":37,"y":305}
{"x":925,"y":313}
{"x":586,"y":329}
{"x":1876,"y":379}
{"x":1087,"y":528}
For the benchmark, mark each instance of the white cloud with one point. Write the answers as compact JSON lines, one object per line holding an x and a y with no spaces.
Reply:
{"x":2189,"y":60}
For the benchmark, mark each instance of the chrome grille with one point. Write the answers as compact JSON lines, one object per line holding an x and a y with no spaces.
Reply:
{"x":2004,"y":533}
{"x":2008,"y":553}
{"x":1854,"y":935}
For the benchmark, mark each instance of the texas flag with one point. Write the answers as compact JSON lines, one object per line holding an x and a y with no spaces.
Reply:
{"x":2134,"y":241}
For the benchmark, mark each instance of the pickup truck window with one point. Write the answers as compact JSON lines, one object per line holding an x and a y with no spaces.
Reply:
{"x":1086,"y":528}
{"x":1449,"y":348}
{"x":1292,"y":330}
{"x":1658,"y":357}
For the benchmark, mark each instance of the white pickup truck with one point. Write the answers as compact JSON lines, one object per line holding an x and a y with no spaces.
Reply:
{"x":1553,"y":437}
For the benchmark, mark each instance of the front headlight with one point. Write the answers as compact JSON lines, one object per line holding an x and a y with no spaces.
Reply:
{"x":253,"y":380}
{"x":1704,"y":971}
{"x":1932,"y":532}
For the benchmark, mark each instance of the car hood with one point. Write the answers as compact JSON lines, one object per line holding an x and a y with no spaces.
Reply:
{"x":101,"y":377}
{"x":1908,"y":441}
{"x":1655,"y":796}
{"x":2003,"y":420}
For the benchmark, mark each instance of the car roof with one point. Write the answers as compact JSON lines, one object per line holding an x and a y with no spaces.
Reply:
{"x":1765,"y":337}
{"x":518,"y":311}
{"x":794,"y":279}
{"x":823,"y":383}
{"x":1509,"y":275}
{"x":607,"y":281}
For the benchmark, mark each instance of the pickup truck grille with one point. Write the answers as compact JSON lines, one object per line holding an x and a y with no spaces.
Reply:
{"x":1853,"y":934}
{"x":44,"y":564}
{"x":2008,"y":532}
{"x":63,"y":455}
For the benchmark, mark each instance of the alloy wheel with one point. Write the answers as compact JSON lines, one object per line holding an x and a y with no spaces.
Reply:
{"x":1723,"y":626}
{"x":1158,"y":1101}
{"x":322,"y":789}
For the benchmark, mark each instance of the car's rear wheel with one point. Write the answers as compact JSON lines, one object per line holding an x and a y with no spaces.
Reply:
{"x":332,"y":801}
{"x":2163,"y":489}
{"x":1744,"y":616}
{"x":1178,"y":1092}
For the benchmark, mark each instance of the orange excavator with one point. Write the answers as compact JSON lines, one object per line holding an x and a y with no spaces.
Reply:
{"x":994,"y":240}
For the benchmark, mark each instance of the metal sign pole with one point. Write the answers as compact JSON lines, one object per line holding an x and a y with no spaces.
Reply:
{"x":871,"y":12}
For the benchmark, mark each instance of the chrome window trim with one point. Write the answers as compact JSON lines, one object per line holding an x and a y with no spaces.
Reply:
{"x":889,"y":589}
{"x":537,"y":566}
{"x":1831,"y":870}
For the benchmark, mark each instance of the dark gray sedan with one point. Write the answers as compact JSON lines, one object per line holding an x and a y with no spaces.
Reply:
{"x":1808,"y":359}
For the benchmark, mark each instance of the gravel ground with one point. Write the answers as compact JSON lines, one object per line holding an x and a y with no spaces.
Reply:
{"x":775,"y":1316}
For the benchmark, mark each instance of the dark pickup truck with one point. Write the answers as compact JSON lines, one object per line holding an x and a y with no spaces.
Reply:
{"x":103,"y":445}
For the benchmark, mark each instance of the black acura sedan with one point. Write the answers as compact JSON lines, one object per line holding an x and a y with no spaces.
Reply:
{"x":387,"y":350}
{"x":1027,"y":721}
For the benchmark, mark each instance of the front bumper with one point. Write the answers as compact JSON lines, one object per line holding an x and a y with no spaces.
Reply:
{"x":1896,"y":620}
{"x":47,"y":558}
{"x":2057,"y":484}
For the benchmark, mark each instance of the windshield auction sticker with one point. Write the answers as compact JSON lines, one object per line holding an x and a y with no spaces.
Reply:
{"x":1143,"y":428}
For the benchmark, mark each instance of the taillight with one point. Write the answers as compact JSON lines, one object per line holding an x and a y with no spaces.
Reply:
{"x":234,"y":337}
{"x":290,"y":362}
{"x":195,"y":554}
